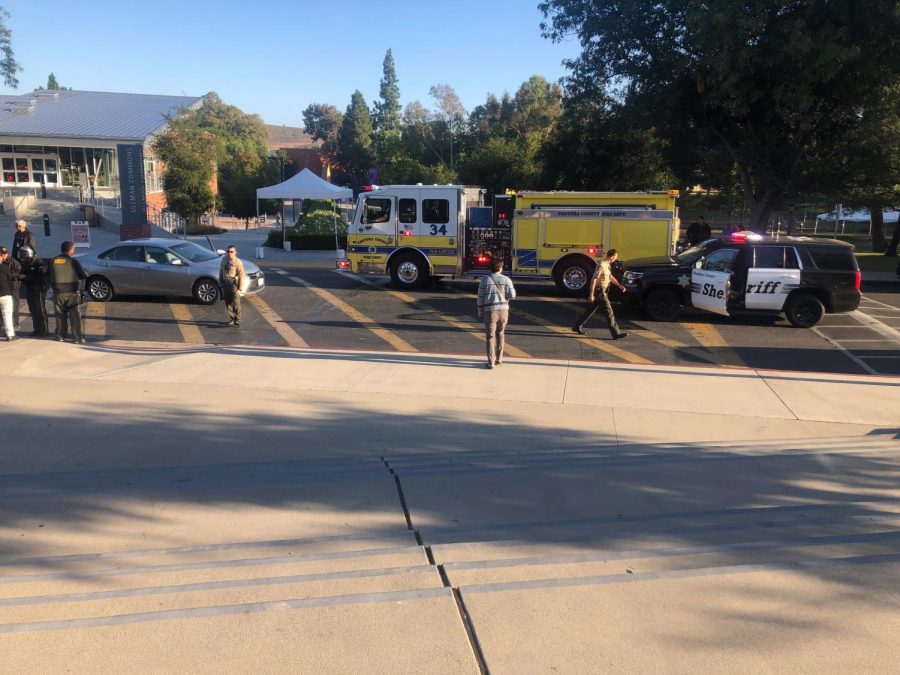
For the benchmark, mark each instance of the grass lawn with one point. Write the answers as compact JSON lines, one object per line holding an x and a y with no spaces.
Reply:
{"x":876,"y":262}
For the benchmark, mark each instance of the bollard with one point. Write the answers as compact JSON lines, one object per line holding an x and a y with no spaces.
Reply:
{"x":46,"y":225}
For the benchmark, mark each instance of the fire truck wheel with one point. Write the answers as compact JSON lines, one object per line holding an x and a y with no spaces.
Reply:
{"x":805,"y":310}
{"x":409,"y":271}
{"x":662,"y":304}
{"x":572,"y":277}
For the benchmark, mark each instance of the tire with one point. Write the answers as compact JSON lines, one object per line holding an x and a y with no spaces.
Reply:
{"x":409,"y":272}
{"x":804,"y":310}
{"x":99,"y":289}
{"x":206,"y":291}
{"x":573,"y":277}
{"x":662,"y":304}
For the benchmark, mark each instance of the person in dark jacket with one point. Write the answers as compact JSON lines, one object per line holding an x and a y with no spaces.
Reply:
{"x":35,"y":271}
{"x":67,"y":280}
{"x":22,"y":237}
{"x":6,"y":298}
{"x":698,"y":231}
{"x":15,"y":276}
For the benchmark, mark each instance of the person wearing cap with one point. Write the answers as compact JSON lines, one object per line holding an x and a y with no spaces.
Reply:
{"x":231,"y":277}
{"x":22,"y":237}
{"x":67,"y":280}
{"x":6,"y":296}
{"x":35,"y":271}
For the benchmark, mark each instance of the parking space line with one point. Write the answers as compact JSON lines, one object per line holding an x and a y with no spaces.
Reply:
{"x":287,"y":333}
{"x":710,"y":338}
{"x":661,"y":339}
{"x":850,"y":355}
{"x":186,"y":324}
{"x":95,"y":320}
{"x":395,"y":341}
{"x":478,"y":334}
{"x":601,"y":345}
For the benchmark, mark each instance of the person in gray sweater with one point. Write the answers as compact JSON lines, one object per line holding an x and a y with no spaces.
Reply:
{"x":494,"y":293}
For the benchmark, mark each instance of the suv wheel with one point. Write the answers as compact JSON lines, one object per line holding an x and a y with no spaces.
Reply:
{"x":662,"y":304}
{"x":805,"y":310}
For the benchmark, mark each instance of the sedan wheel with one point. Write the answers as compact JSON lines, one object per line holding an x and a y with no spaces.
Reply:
{"x":99,"y":289}
{"x":206,"y":291}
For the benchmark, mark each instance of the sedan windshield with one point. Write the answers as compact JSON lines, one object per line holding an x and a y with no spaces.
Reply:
{"x":194,"y":253}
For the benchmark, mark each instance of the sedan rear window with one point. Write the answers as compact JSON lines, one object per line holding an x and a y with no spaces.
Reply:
{"x":832,"y":257}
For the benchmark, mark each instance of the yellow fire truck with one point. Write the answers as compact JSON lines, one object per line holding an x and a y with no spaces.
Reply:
{"x":414,"y":232}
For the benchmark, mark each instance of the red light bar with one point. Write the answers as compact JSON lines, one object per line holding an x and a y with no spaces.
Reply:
{"x":407,"y":233}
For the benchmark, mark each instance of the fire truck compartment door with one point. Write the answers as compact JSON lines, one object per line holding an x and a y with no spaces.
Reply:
{"x":525,"y":243}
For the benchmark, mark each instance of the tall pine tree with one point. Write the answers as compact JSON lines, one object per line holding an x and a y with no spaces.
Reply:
{"x":355,"y":140}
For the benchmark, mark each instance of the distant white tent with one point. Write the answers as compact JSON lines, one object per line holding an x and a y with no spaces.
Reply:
{"x":860,"y":215}
{"x":305,"y":185}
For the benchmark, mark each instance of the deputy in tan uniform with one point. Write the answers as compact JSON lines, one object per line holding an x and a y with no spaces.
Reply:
{"x":67,"y":280}
{"x":231,"y":276}
{"x":603,"y":277}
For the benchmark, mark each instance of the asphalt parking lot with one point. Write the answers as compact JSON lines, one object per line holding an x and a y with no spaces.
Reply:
{"x":309,"y":305}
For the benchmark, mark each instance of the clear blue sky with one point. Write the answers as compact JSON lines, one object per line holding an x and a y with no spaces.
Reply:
{"x":275,"y":58}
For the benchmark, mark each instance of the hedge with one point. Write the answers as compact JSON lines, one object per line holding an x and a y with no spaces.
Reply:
{"x":305,"y":242}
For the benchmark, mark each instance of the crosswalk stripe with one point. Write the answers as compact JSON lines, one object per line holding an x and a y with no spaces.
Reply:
{"x":395,"y":341}
{"x":478,"y":334}
{"x":287,"y":333}
{"x":95,"y":320}
{"x":186,"y":324}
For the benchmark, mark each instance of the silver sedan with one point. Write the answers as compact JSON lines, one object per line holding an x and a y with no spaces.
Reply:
{"x":160,"y":267}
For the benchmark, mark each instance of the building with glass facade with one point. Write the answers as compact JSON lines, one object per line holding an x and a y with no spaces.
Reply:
{"x":68,"y":139}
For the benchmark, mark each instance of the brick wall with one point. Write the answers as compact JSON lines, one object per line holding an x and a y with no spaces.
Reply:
{"x":133,"y":232}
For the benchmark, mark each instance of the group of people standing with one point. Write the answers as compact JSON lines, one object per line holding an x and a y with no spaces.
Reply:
{"x":64,"y":274}
{"x":495,"y":292}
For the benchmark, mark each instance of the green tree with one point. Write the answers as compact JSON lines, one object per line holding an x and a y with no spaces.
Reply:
{"x":355,"y":150}
{"x":386,"y":116}
{"x":323,"y":122}
{"x":189,"y":156}
{"x":8,"y":64}
{"x":450,"y":113}
{"x":762,"y":81}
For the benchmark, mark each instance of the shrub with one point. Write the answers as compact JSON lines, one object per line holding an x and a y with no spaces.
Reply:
{"x":305,"y":242}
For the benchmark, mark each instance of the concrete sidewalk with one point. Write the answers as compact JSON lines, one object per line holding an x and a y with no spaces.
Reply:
{"x":252,"y":509}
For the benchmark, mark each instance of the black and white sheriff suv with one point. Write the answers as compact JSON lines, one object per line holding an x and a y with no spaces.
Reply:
{"x":749,"y":274}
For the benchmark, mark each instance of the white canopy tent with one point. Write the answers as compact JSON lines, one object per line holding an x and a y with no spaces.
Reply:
{"x":304,"y":185}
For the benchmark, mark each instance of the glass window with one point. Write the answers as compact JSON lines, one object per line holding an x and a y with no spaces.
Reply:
{"x":37,"y":165}
{"x":193,"y":252}
{"x":833,"y":257}
{"x":770,"y":257}
{"x":9,"y":177}
{"x":51,"y":177}
{"x":407,"y":210}
{"x":37,"y":177}
{"x":50,"y":164}
{"x":6,"y":148}
{"x":377,"y":210}
{"x":159,"y":256}
{"x":129,"y":254}
{"x":721,"y":260}
{"x":21,"y":164}
{"x":435,"y":211}
{"x":8,"y":164}
{"x":108,"y":255}
{"x":22,"y":177}
{"x":790,"y":259}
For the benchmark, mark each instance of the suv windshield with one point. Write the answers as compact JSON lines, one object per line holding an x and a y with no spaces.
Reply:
{"x":693,"y":254}
{"x":194,"y":253}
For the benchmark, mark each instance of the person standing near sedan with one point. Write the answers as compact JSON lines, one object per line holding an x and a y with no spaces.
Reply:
{"x":67,"y":280}
{"x":35,"y":271}
{"x":494,"y":293}
{"x":22,"y":237}
{"x":231,"y":278}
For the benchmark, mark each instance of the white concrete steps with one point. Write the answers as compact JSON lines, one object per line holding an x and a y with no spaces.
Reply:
{"x":107,"y":590}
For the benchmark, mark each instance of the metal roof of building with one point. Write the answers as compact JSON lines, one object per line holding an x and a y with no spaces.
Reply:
{"x":88,"y":114}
